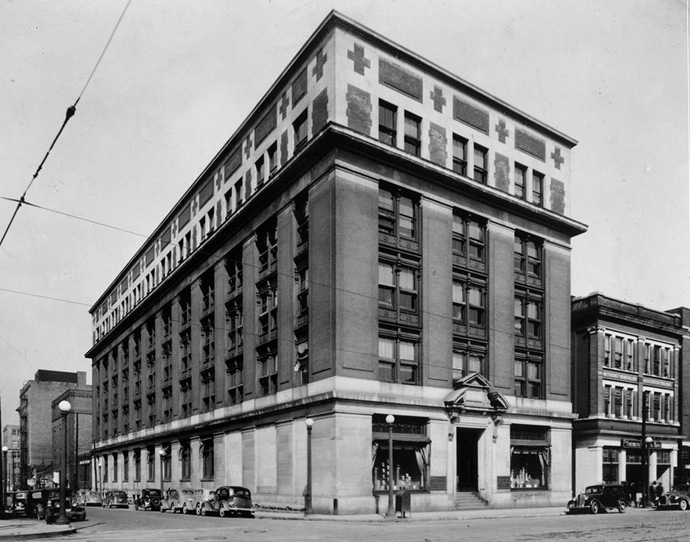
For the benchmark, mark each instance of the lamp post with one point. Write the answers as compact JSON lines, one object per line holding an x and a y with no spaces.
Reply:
{"x":308,"y":509}
{"x":645,"y":468}
{"x":162,"y":453}
{"x":390,"y":513}
{"x":64,"y":407}
{"x":3,"y":479}
{"x":99,"y":481}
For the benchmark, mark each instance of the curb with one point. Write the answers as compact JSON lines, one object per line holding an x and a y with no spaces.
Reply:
{"x":35,"y":534}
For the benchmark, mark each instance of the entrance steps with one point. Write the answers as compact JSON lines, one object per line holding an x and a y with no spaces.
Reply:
{"x":469,"y":500}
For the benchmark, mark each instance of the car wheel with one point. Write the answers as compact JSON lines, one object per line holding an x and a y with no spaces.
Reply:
{"x":184,"y":509}
{"x":203,"y":511}
{"x":621,"y":506}
{"x":198,"y":509}
{"x":222,"y":512}
{"x":594,"y":507}
{"x":683,"y":504}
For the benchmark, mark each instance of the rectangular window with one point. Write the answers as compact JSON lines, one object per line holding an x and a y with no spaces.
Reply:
{"x":459,"y":155}
{"x":207,"y":459}
{"x":529,"y":457}
{"x":413,"y":134}
{"x":468,"y":358}
{"x":185,"y":461}
{"x":268,"y":372}
{"x":528,"y":375}
{"x":481,"y":164}
{"x":520,"y":181}
{"x":397,"y":287}
{"x":397,"y":214}
{"x":537,"y":188}
{"x":387,"y":123}
{"x":260,"y":171}
{"x":469,"y":240}
{"x":610,"y":460}
{"x":300,"y":130}
{"x":272,"y":159}
{"x":528,"y":259}
{"x":398,"y":360}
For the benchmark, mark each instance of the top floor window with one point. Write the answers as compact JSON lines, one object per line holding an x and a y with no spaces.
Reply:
{"x":301,"y":130}
{"x":387,"y":123}
{"x":459,"y":155}
{"x":537,"y":188}
{"x":481,"y":164}
{"x":413,"y":134}
{"x":520,"y":181}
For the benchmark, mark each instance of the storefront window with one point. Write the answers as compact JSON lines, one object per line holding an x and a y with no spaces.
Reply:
{"x":610,"y":465}
{"x":410,"y":454}
{"x":530,"y":457}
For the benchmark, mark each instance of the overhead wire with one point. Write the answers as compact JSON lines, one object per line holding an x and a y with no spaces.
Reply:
{"x":71,"y":110}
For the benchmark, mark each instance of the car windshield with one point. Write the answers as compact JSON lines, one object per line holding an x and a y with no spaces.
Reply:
{"x":172,"y":494}
{"x":593,"y":489}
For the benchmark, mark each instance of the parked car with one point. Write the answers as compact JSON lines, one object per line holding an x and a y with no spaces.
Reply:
{"x":89,"y":498}
{"x":116,"y":498}
{"x":19,"y":503}
{"x":678,"y":497}
{"x":229,"y":501}
{"x":73,"y":512}
{"x":200,"y":497}
{"x":178,"y":500}
{"x":600,"y":498}
{"x":149,"y":499}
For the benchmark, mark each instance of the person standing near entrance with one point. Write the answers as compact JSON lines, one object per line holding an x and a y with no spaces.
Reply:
{"x":652,"y":494}
{"x":659,"y":494}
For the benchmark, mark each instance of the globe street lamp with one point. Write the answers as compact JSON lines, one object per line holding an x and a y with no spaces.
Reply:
{"x":162,"y":453}
{"x":3,"y":479}
{"x":308,"y":509}
{"x":390,"y":513}
{"x":64,"y":407}
{"x":99,"y":480}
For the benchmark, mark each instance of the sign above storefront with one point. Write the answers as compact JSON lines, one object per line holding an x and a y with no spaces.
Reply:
{"x":637,"y":444}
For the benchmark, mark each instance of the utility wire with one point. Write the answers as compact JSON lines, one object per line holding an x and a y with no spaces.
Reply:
{"x":44,"y":297}
{"x":75,"y":217}
{"x":71,"y":110}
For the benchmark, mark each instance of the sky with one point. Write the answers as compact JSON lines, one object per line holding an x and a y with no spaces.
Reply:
{"x":179,"y":76}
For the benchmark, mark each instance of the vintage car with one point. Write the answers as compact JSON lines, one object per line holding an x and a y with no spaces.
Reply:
{"x":200,"y":497}
{"x":88,"y":498}
{"x":149,"y":499}
{"x":229,"y":501}
{"x":73,"y":512}
{"x":178,"y":500}
{"x":678,"y":497}
{"x":19,"y":503}
{"x":116,"y":498}
{"x":600,"y":498}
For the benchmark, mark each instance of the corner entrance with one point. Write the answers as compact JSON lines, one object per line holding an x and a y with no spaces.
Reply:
{"x":467,"y":466}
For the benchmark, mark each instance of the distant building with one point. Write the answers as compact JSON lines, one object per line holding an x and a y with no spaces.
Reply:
{"x":378,"y":237}
{"x":10,"y":438}
{"x":626,"y":356}
{"x":79,"y":443}
{"x":36,"y":425}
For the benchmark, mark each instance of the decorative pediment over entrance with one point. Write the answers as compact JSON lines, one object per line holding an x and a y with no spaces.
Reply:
{"x":474,"y":393}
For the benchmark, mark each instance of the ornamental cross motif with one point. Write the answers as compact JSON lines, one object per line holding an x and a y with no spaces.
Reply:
{"x":248,"y":146}
{"x":321,"y":59}
{"x":438,"y":99}
{"x":557,"y":158}
{"x":502,"y":131}
{"x":357,"y":57}
{"x":284,"y":102}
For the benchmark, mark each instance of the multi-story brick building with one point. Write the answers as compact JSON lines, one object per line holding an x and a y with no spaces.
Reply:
{"x":626,"y":356}
{"x":416,"y":232}
{"x":35,"y":421}
{"x":79,"y":443}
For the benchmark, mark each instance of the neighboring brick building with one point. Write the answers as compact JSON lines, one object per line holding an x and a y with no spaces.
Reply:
{"x":415,"y":230}
{"x":79,"y":426}
{"x":35,"y":420}
{"x":620,"y":352}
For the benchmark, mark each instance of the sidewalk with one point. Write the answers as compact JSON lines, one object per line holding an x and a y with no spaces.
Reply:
{"x":31,"y":529}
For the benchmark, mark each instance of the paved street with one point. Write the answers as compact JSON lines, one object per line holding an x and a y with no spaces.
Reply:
{"x":635,"y":525}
